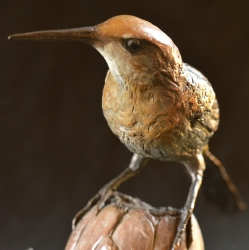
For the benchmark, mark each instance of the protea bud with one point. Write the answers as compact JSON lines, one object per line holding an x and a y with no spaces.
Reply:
{"x":127,"y":223}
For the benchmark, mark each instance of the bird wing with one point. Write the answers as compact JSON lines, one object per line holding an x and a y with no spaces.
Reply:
{"x":204,"y":108}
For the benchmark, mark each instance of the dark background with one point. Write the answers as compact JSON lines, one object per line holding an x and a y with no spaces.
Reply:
{"x":56,"y":148}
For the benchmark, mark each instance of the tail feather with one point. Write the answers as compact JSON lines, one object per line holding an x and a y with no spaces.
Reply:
{"x":218,"y":186}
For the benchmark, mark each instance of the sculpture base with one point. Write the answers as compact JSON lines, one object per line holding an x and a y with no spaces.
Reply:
{"x":129,"y":223}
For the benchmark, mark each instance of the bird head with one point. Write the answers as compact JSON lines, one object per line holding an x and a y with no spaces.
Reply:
{"x":133,"y":48}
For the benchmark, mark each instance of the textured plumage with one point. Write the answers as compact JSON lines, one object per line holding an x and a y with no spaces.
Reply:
{"x":158,"y":106}
{"x":166,"y":123}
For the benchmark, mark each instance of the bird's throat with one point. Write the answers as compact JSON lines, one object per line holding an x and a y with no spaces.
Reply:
{"x":118,"y":77}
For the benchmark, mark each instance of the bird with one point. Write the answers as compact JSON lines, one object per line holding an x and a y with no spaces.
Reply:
{"x":157,"y":105}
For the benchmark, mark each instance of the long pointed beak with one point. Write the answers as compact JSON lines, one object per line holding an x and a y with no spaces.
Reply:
{"x":85,"y":34}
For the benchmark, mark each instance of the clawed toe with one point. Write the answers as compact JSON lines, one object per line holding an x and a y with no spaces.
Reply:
{"x":82,"y":212}
{"x":100,"y":199}
{"x":185,"y":215}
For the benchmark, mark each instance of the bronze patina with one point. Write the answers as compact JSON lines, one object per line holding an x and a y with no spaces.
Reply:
{"x":129,"y":223}
{"x":157,"y":105}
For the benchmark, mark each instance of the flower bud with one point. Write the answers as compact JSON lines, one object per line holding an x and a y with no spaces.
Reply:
{"x":127,"y":223}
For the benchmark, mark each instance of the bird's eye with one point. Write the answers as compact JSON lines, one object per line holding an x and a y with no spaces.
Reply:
{"x":133,"y":45}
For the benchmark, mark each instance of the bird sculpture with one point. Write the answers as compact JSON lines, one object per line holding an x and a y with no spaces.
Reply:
{"x":157,"y":105}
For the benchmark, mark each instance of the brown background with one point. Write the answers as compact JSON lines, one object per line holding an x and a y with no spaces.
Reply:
{"x":56,"y":148}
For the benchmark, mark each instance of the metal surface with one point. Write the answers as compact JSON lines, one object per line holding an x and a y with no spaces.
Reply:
{"x":158,"y":106}
{"x":128,"y":223}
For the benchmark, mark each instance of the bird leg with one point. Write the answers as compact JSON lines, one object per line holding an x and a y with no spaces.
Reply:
{"x":195,"y":168}
{"x":136,"y":164}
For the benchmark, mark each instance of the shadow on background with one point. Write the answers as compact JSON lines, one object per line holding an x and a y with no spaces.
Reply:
{"x":56,"y":148}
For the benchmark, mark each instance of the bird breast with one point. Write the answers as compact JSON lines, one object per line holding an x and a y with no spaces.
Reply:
{"x":149,"y":121}
{"x":157,"y":121}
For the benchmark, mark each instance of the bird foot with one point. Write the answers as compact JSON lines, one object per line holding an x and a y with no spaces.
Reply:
{"x":100,"y":198}
{"x":104,"y":194}
{"x":185,"y":215}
